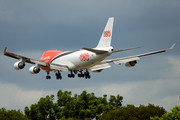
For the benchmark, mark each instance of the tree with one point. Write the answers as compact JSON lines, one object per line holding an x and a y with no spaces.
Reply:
{"x":11,"y":115}
{"x":115,"y":101}
{"x":174,"y":115}
{"x":130,"y":112}
{"x":44,"y":109}
{"x":83,"y":106}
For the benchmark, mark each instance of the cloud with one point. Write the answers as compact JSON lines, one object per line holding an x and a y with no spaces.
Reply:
{"x":163,"y":93}
{"x":175,"y":62}
{"x":13,"y":97}
{"x":78,"y":12}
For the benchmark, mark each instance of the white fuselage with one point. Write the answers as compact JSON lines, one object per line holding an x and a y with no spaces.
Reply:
{"x":79,"y":60}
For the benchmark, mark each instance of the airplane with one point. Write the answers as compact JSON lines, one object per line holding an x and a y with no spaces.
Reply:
{"x":80,"y":61}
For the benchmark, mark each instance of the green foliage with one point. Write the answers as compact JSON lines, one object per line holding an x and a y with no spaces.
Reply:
{"x":174,"y":115}
{"x":83,"y":106}
{"x":11,"y":115}
{"x":115,"y":102}
{"x":45,"y":108}
{"x":87,"y":106}
{"x":130,"y":112}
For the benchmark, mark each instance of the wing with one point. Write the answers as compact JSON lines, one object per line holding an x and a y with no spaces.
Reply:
{"x":104,"y":64}
{"x":54,"y":67}
{"x":99,"y":66}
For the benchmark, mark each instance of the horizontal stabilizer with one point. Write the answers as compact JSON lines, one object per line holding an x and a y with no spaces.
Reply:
{"x":126,"y":49}
{"x":95,"y":50}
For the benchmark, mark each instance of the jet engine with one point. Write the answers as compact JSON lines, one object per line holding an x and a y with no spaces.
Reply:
{"x":97,"y":71}
{"x":131,"y":64}
{"x":19,"y":65}
{"x":34,"y":69}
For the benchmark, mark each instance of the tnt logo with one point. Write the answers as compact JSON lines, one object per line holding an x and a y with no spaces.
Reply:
{"x":84,"y":57}
{"x":107,"y":33}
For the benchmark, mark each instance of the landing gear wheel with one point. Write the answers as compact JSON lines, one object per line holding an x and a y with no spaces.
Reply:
{"x":71,"y":75}
{"x":86,"y":74}
{"x":89,"y":76}
{"x":48,"y":77}
{"x":81,"y":74}
{"x":58,"y":75}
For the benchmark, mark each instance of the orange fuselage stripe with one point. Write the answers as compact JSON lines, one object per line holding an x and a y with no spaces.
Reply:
{"x":48,"y":56}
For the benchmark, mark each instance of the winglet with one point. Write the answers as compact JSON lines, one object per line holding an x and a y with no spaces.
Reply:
{"x":5,"y":50}
{"x":172,"y":47}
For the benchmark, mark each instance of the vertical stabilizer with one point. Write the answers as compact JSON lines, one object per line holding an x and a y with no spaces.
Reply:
{"x":105,"y":40}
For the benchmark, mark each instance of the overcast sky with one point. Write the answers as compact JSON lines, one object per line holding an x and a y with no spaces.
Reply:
{"x":31,"y":27}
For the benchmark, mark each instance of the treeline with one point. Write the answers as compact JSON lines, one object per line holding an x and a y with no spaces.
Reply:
{"x":86,"y":106}
{"x":12,"y":115}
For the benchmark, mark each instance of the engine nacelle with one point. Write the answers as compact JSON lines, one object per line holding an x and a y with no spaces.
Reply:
{"x":131,"y":64}
{"x":34,"y":70}
{"x":97,"y":71}
{"x":19,"y":65}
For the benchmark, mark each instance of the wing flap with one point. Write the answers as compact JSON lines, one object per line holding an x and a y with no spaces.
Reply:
{"x":38,"y":62}
{"x":100,"y":66}
{"x":58,"y":67}
{"x":120,"y":61}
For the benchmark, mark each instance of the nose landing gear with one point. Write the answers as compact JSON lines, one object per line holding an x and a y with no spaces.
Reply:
{"x":48,"y":76}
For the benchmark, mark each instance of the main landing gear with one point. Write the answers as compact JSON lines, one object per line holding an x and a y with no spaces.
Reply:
{"x":58,"y":75}
{"x":81,"y":75}
{"x":70,"y":75}
{"x":86,"y":74}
